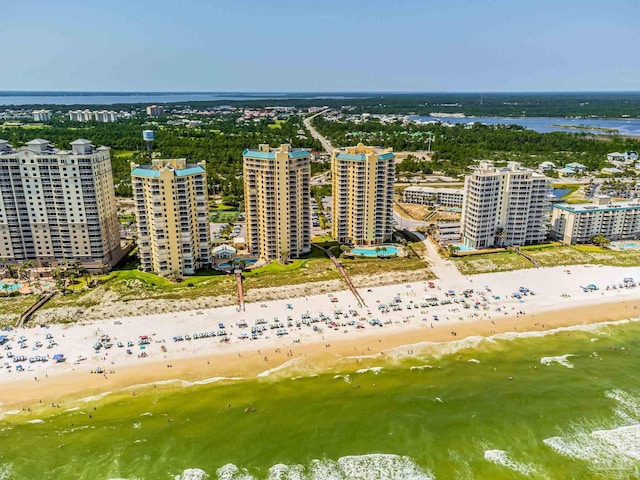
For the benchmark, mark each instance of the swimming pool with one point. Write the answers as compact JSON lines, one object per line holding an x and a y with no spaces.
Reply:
{"x":463,"y":248}
{"x":626,"y":245}
{"x":371,"y":251}
{"x":247,"y":262}
{"x":9,"y":287}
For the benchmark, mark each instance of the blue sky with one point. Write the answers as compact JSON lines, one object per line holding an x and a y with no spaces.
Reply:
{"x":330,"y":45}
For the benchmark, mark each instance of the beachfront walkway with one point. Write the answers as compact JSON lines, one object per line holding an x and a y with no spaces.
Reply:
{"x":443,"y":268}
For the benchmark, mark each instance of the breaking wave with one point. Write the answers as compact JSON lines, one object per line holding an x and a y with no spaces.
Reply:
{"x":358,"y":467}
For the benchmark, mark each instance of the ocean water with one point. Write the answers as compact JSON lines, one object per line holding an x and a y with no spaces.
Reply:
{"x":622,"y":126}
{"x":110,"y":98}
{"x":564,"y":404}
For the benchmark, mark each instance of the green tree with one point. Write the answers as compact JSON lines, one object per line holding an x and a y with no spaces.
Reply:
{"x":600,"y":240}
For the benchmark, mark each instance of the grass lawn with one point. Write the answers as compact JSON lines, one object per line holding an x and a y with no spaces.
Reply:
{"x":325,"y":241}
{"x":278,"y":124}
{"x":229,"y":215}
{"x":491,"y":262}
{"x":124,"y":154}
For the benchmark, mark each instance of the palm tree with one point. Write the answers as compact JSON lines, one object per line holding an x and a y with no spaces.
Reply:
{"x":453,"y":249}
{"x":284,"y":257}
{"x":12,"y":270}
{"x":501,"y":234}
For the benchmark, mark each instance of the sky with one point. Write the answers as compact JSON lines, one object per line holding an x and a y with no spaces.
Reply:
{"x":320,"y":46}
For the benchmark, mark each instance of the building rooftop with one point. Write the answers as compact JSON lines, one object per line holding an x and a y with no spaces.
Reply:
{"x":264,"y":154}
{"x":361,"y":151}
{"x":459,"y":191}
{"x":590,"y":207}
{"x":179,"y":166}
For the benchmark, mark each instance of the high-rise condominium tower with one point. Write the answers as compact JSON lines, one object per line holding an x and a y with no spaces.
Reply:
{"x":58,"y":206}
{"x":173,"y":216}
{"x":277,"y":201}
{"x":363,"y":179}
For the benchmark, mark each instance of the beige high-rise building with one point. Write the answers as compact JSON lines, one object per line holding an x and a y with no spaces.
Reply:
{"x":277,"y":200}
{"x":172,"y":214}
{"x":504,"y":206}
{"x":155,"y":110}
{"x":58,"y":206}
{"x":363,"y":179}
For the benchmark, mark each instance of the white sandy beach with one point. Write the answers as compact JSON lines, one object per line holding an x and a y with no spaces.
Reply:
{"x":556,"y":289}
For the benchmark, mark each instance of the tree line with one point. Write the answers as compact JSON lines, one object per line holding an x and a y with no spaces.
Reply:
{"x":456,"y":147}
{"x":219,"y":141}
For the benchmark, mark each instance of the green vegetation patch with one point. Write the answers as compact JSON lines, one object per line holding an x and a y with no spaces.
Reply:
{"x":491,"y":262}
{"x":586,"y":254}
{"x":295,"y":272}
{"x":378,"y":266}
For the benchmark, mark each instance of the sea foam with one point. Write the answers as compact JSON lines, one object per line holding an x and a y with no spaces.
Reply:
{"x":279,"y":368}
{"x":500,"y":457}
{"x":375,"y":370}
{"x":357,"y":467}
{"x":192,"y":474}
{"x":560,"y":359}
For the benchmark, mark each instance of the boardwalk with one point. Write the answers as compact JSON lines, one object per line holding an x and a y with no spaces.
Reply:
{"x":238,"y":274}
{"x":345,"y":276}
{"x":347,"y":279}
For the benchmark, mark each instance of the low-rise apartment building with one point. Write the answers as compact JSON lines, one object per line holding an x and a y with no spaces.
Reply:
{"x":579,"y":223}
{"x":446,"y":197}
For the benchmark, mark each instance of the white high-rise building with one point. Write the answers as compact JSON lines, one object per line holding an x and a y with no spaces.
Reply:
{"x":42,"y":115}
{"x":58,"y":206}
{"x":504,"y":206}
{"x":103,"y":116}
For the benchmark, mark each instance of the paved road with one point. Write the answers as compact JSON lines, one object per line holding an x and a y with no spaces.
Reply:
{"x":405,"y":223}
{"x":326,"y":144}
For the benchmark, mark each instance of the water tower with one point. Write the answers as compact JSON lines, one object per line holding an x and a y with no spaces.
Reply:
{"x":147,"y":136}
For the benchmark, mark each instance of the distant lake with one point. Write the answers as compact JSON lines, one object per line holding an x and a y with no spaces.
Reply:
{"x":110,"y":98}
{"x":623,"y":126}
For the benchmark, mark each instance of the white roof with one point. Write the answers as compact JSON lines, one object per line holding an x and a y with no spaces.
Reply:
{"x":81,"y":141}
{"x":38,"y":141}
{"x":224,"y":248}
{"x":238,"y":240}
{"x":615,"y":154}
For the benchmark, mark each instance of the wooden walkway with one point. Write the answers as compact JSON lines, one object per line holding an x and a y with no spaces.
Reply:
{"x":345,"y":276}
{"x":26,"y":315}
{"x":238,"y":274}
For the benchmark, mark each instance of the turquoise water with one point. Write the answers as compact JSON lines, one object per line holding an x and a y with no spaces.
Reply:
{"x":229,"y":264}
{"x":371,"y":252}
{"x":626,"y":245}
{"x":9,"y":287}
{"x":463,"y":248}
{"x":559,"y":405}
